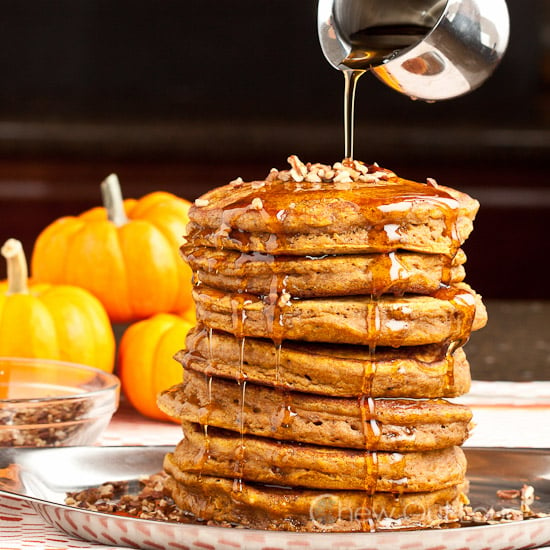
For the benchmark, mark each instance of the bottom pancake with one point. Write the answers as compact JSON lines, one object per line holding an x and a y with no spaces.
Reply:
{"x":261,"y":460}
{"x":228,"y":502}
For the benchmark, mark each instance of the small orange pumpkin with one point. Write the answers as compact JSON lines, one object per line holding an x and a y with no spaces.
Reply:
{"x":146,"y":360}
{"x":51,"y":321}
{"x":126,"y":253}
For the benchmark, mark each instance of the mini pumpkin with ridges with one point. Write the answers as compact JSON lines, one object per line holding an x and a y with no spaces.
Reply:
{"x":126,"y":253}
{"x":146,"y":361}
{"x":49,"y":321}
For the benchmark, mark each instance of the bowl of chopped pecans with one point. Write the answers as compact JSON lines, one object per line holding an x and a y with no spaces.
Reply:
{"x":47,"y":403}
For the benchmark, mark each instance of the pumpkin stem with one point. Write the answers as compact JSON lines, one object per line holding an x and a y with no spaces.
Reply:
{"x":16,"y":267}
{"x":112,"y":200}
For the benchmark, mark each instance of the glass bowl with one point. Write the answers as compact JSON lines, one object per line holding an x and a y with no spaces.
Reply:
{"x":47,"y":403}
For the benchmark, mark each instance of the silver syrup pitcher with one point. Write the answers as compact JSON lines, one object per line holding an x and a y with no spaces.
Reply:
{"x":426,"y":49}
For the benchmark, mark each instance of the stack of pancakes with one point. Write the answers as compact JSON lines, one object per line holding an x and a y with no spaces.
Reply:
{"x":331,"y":316}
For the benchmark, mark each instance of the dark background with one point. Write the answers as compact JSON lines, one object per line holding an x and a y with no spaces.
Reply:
{"x":187,"y":95}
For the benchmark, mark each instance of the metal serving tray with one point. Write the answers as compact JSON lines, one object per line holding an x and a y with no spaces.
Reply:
{"x":44,"y":476}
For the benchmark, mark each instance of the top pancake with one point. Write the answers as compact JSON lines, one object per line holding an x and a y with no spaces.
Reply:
{"x":341,"y":209}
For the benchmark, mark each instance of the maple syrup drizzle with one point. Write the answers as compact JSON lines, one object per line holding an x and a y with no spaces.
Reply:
{"x":238,"y":318}
{"x":240,"y":454}
{"x":464,"y":305}
{"x":446,"y":269}
{"x":372,"y":322}
{"x":279,"y":379}
{"x":350,"y":84}
{"x":273,"y":309}
{"x":275,"y":303}
{"x":286,"y":413}
{"x":205,"y":454}
{"x":238,"y":313}
{"x":204,"y":414}
{"x":369,"y":372}
{"x":399,"y":465}
{"x":372,"y":433}
{"x":367,"y":408}
{"x":195,"y":279}
{"x":451,"y":230}
{"x":449,"y":377}
{"x":210,"y":347}
{"x":398,"y":274}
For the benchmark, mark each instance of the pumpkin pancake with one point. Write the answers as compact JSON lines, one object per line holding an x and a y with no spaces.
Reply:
{"x":376,"y":424}
{"x":327,"y":275}
{"x":224,"y":453}
{"x":410,"y":320}
{"x":337,"y":370}
{"x":346,"y":208}
{"x":223,"y":501}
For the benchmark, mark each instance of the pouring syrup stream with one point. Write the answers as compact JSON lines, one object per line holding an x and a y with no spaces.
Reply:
{"x":351,"y":76}
{"x":371,"y":47}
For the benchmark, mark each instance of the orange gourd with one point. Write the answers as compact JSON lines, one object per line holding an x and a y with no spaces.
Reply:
{"x":51,"y":321}
{"x":126,"y":253}
{"x":146,"y":360}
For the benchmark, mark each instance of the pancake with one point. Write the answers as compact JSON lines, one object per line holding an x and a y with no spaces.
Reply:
{"x":410,"y":320}
{"x":327,"y":275}
{"x":337,"y":370}
{"x":376,"y":424}
{"x":223,"y":501}
{"x":224,"y":453}
{"x":352,"y":208}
